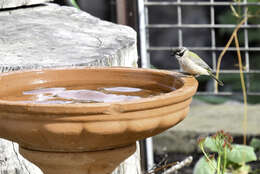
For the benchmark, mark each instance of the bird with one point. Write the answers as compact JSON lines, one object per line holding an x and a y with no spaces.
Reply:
{"x":192,"y":64}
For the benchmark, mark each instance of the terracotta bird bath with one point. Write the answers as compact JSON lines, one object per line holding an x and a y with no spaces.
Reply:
{"x":89,"y":137}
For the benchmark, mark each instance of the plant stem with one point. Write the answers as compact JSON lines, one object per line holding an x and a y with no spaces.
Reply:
{"x":243,"y":87}
{"x":74,"y":3}
{"x":207,"y":157}
{"x":234,"y":35}
{"x":225,"y":160}
{"x":218,"y":164}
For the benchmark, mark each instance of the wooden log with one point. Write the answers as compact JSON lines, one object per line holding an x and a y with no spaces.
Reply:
{"x":54,"y":36}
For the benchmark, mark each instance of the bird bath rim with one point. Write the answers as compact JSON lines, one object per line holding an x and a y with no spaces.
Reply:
{"x":188,"y":86}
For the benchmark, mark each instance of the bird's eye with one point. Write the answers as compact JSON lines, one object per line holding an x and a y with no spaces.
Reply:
{"x":181,"y":53}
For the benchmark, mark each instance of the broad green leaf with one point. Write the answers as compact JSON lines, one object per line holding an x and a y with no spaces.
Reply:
{"x":210,"y":144}
{"x":255,"y":143}
{"x":241,"y":153}
{"x":203,"y":166}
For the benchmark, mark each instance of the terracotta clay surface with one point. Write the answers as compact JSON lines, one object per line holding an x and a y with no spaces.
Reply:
{"x":91,"y":126}
{"x":99,"y":162}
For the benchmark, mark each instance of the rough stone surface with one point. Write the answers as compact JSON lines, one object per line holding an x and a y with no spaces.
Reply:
{"x":18,"y":3}
{"x":53,"y":36}
{"x":11,"y":162}
{"x":49,"y":35}
{"x":204,"y":119}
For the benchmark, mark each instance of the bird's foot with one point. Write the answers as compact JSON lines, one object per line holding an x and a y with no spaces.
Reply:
{"x":185,"y":74}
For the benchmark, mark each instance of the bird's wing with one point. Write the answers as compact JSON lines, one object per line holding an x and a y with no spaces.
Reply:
{"x":197,"y":60}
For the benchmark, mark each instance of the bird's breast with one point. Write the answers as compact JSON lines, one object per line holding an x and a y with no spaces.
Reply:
{"x":192,"y":68}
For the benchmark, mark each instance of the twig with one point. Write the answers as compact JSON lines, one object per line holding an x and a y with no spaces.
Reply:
{"x":179,"y":165}
{"x":162,"y":167}
{"x":227,"y":46}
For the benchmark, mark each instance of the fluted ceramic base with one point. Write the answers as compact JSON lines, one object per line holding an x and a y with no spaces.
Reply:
{"x":97,"y":162}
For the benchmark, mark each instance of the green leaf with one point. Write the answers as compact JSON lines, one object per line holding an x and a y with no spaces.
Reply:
{"x":210,"y":144}
{"x":241,"y":153}
{"x":203,"y":166}
{"x":255,"y":143}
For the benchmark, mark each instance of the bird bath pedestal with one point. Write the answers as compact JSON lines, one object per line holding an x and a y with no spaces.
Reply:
{"x":89,"y":138}
{"x":93,"y":162}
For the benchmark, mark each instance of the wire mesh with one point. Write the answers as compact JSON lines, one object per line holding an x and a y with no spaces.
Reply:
{"x":210,"y":30}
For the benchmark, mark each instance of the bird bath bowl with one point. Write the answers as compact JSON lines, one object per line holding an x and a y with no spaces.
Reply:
{"x":89,"y":138}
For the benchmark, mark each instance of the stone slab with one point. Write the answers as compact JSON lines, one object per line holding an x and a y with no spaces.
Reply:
{"x":54,"y":36}
{"x":204,"y":119}
{"x":17,"y":3}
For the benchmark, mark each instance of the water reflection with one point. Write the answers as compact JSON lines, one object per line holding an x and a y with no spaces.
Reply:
{"x":62,"y":95}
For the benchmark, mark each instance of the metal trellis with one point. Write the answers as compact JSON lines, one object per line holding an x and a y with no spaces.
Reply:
{"x":146,"y":48}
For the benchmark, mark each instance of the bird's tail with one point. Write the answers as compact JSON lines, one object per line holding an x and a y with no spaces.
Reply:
{"x":215,"y":78}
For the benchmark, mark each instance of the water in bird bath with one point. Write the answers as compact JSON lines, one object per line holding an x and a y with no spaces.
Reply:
{"x":83,"y":94}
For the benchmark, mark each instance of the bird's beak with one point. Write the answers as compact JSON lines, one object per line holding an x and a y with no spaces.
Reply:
{"x":173,"y":53}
